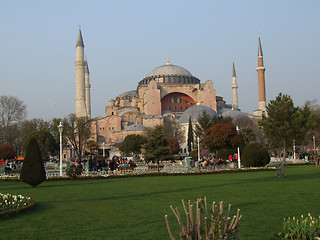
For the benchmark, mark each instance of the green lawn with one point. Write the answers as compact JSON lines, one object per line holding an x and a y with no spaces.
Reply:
{"x":134,"y":208}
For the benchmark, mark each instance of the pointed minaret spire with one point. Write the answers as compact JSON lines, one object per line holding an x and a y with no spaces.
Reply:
{"x":80,"y":40}
{"x":234,"y":87}
{"x":233,"y":69}
{"x":261,"y":79}
{"x":260,"y":48}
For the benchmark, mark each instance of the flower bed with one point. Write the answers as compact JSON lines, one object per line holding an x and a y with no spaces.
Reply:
{"x":87,"y":176}
{"x":301,"y":228}
{"x":14,"y":203}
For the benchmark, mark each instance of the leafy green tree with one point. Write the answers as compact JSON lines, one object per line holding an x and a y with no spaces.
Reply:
{"x":284,"y":123}
{"x":78,"y":131}
{"x":221,"y":136}
{"x":132,"y":144}
{"x":45,"y":140}
{"x":156,"y":148}
{"x":248,"y":135}
{"x":33,"y":172}
{"x":190,"y":135}
{"x":204,"y":123}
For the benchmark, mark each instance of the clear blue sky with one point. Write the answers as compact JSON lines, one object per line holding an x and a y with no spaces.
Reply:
{"x":125,"y":40}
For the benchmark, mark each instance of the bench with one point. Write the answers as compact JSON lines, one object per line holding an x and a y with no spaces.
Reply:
{"x":155,"y":167}
{"x":125,"y":169}
{"x":7,"y":171}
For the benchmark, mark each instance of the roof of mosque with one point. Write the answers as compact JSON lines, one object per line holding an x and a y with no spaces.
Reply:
{"x":195,"y":112}
{"x":234,"y":113}
{"x":135,"y":127}
{"x":169,"y":69}
{"x":170,"y":74}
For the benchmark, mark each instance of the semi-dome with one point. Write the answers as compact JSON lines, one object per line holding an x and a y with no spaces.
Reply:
{"x":170,"y":74}
{"x":135,"y":127}
{"x":195,"y":113}
{"x":234,"y":113}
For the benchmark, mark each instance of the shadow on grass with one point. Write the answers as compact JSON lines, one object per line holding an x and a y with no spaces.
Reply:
{"x":38,"y":208}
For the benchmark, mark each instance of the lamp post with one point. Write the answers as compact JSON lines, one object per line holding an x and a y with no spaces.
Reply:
{"x":314,"y":144}
{"x":60,"y":127}
{"x":294,"y":149}
{"x":198,"y":149}
{"x":103,"y":150}
{"x":239,"y":160}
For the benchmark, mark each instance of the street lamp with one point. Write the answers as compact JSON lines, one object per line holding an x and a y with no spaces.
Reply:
{"x":239,"y":160}
{"x":60,"y":127}
{"x":294,"y":149}
{"x":198,"y":149}
{"x":103,"y":150}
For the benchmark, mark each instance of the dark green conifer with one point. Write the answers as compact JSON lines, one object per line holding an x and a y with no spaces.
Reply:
{"x":33,"y":171}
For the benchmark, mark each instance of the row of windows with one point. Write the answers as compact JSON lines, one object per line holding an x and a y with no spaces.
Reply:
{"x":175,"y":108}
{"x":124,"y":119}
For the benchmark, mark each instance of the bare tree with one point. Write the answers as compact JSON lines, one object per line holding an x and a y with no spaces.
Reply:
{"x":78,"y":131}
{"x":12,"y":110}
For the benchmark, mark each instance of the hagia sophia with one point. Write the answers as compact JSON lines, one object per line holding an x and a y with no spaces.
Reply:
{"x":168,"y":92}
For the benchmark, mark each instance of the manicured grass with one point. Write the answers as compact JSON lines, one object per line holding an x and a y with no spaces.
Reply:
{"x":134,"y":208}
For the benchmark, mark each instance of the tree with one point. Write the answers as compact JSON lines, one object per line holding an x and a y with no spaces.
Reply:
{"x":92,"y":146}
{"x":7,"y":152}
{"x":283,"y":124}
{"x":156,"y":148}
{"x":172,"y":129}
{"x":174,"y":146}
{"x":33,"y":172}
{"x":205,"y":122}
{"x":12,"y":110}
{"x":78,"y":131}
{"x":46,"y":142}
{"x":221,"y":136}
{"x":132,"y":144}
{"x":190,"y":135}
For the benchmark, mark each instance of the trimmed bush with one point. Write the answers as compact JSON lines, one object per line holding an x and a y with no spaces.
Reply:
{"x":33,"y":172}
{"x":73,"y":172}
{"x":255,"y":155}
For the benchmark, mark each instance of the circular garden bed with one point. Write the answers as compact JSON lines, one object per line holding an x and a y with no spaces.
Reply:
{"x":10,"y":204}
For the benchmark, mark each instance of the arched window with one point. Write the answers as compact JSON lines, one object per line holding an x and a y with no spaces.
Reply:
{"x":130,"y":118}
{"x":137,"y":119}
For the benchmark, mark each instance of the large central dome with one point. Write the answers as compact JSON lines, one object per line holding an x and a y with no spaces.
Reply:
{"x":170,"y":74}
{"x":169,"y":69}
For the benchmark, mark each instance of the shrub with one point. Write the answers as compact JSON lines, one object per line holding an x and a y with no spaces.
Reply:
{"x":33,"y":171}
{"x":255,"y":155}
{"x":6,"y":151}
{"x":216,"y":224}
{"x":73,"y":172}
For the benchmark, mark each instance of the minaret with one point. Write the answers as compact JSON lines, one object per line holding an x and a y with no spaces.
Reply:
{"x":234,"y":87}
{"x":87,"y":86}
{"x":80,"y":110}
{"x":261,"y":80}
